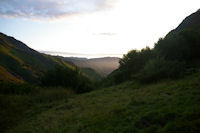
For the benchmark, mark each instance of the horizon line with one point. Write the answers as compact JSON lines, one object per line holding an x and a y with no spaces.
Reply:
{"x":81,"y":55}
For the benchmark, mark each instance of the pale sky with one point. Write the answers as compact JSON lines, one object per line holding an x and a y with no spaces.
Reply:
{"x":92,"y":27}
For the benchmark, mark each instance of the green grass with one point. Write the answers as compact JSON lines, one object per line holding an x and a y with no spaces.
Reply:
{"x":21,"y":101}
{"x":165,"y":107}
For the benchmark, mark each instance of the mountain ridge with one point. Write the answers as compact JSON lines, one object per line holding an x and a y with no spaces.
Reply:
{"x":26,"y":64}
{"x":104,"y":65}
{"x":190,"y":22}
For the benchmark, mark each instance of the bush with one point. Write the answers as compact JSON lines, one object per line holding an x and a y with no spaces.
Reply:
{"x":184,"y":46}
{"x":51,"y":94}
{"x":19,"y":89}
{"x":159,"y":68}
{"x":131,"y":64}
{"x":65,"y":77}
{"x":168,"y":59}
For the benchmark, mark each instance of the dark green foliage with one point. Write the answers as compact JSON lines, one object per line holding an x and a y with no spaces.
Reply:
{"x":172,"y":57}
{"x":62,"y":76}
{"x":159,"y":68}
{"x":184,"y":45}
{"x":20,"y":101}
{"x":17,"y":89}
{"x":91,"y":73}
{"x":132,"y":63}
{"x":170,"y":106}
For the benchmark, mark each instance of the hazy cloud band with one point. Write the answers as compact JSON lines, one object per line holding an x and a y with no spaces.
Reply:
{"x":49,"y":8}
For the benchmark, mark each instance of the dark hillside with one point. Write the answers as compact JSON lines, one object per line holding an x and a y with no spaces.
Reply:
{"x":190,"y":22}
{"x":173,"y":56}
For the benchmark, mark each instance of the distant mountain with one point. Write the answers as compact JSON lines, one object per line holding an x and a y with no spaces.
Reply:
{"x":79,"y":55}
{"x":89,"y":72}
{"x":19,"y":63}
{"x":103,"y":66}
{"x":77,"y":58}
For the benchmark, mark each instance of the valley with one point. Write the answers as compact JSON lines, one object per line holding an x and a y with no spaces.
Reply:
{"x":151,"y":90}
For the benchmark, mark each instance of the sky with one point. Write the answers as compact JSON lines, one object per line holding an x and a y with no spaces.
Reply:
{"x":92,"y":28}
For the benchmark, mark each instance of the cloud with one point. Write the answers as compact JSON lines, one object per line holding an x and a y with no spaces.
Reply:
{"x":108,"y":34}
{"x":50,"y":9}
{"x":105,"y":34}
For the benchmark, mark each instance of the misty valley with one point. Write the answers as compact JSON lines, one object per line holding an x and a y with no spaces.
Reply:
{"x":152,"y":90}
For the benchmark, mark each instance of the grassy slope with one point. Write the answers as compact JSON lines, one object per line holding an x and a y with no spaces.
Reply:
{"x":6,"y":76}
{"x":166,"y":107}
{"x":25,"y":62}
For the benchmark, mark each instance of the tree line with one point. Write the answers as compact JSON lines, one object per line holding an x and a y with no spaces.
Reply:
{"x":173,"y":56}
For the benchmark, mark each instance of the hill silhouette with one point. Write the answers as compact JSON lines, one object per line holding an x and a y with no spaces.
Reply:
{"x":190,"y":22}
{"x":172,"y":56}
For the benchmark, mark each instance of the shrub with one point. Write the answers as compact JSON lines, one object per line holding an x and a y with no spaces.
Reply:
{"x":131,"y":64}
{"x":19,"y":89}
{"x":184,"y":46}
{"x":51,"y":94}
{"x":65,"y":77}
{"x":159,"y":68}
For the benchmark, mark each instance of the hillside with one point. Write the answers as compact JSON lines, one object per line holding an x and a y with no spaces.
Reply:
{"x":167,"y":107}
{"x":103,"y":66}
{"x":24,"y":63}
{"x":19,"y":63}
{"x":6,"y":76}
{"x":190,"y":22}
{"x":172,"y":57}
{"x":91,"y":73}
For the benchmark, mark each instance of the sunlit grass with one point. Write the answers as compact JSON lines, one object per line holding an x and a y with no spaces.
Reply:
{"x":6,"y":76}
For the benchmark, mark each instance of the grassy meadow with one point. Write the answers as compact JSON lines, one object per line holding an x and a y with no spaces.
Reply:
{"x":170,"y":106}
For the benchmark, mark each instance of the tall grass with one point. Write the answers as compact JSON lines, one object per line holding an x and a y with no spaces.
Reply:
{"x":19,"y":101}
